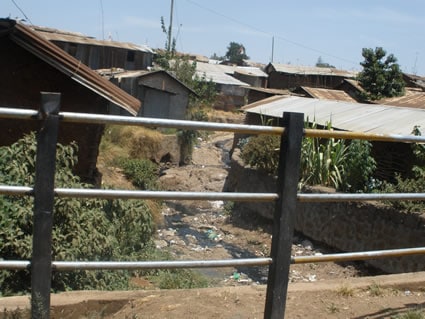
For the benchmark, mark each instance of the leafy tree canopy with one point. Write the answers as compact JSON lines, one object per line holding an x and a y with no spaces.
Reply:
{"x":236,"y":53}
{"x":381,"y":76}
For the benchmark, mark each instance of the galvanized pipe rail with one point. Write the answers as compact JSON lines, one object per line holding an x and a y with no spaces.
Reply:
{"x":242,"y":197}
{"x":74,"y":117}
{"x":285,"y":200}
{"x":138,"y":265}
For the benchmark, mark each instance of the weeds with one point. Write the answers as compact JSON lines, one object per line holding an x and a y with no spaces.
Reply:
{"x":332,"y":308}
{"x":345,"y":291}
{"x":375,"y":290}
{"x":411,"y":314}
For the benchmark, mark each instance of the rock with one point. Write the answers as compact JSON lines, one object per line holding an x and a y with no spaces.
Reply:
{"x":159,"y":244}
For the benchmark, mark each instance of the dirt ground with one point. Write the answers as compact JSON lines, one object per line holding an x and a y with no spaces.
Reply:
{"x":206,"y":230}
{"x":360,"y":298}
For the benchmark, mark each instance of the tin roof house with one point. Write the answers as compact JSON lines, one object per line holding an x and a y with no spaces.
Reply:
{"x":30,"y":64}
{"x":99,"y":54}
{"x":161,"y":94}
{"x":288,"y":76}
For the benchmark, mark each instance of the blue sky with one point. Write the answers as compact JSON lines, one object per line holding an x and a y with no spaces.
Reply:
{"x":303,"y":30}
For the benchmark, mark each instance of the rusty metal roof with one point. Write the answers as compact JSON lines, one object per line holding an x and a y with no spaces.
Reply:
{"x":65,"y":63}
{"x":357,"y":117}
{"x":309,"y":70}
{"x":328,"y":94}
{"x":74,"y":37}
{"x":414,"y":98}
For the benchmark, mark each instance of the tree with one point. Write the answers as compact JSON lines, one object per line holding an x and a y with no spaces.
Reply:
{"x":381,"y":77}
{"x":236,"y":53}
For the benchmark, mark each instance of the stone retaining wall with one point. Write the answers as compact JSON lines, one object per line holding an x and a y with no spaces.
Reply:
{"x":349,"y":227}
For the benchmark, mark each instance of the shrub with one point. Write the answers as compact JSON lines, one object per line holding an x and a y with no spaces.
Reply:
{"x":359,"y":167}
{"x":82,"y":229}
{"x":142,"y":172}
{"x":413,"y":184}
{"x":262,"y":152}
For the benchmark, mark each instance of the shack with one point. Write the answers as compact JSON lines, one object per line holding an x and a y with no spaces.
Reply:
{"x":99,"y":54}
{"x":30,"y":64}
{"x":288,"y":76}
{"x":161,"y":94}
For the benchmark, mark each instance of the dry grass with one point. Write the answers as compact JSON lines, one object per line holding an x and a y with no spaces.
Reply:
{"x":345,"y":291}
{"x":126,"y":141}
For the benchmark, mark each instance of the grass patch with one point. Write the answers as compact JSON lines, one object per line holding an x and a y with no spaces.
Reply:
{"x":411,"y":314}
{"x":345,"y":291}
{"x":375,"y":290}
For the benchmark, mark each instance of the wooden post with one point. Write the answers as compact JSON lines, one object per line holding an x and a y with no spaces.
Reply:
{"x":284,"y":216}
{"x":41,"y":264}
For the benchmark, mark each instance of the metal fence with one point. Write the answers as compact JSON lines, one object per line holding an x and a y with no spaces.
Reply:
{"x":286,"y":197}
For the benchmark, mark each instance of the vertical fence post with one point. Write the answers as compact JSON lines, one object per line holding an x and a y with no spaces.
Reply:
{"x":284,"y":215}
{"x":41,"y":264}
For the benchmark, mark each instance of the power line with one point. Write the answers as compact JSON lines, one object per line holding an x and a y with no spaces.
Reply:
{"x":270,"y":34}
{"x":22,"y":11}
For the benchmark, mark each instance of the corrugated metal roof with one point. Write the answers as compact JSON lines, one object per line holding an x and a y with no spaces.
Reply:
{"x":218,"y":73}
{"x":372,"y":118}
{"x":252,"y":71}
{"x":310,"y":70}
{"x":73,"y":37}
{"x":412,"y":98}
{"x":65,"y":63}
{"x":328,"y":94}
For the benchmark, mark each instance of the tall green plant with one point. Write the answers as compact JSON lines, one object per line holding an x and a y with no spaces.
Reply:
{"x":328,"y":162}
{"x":322,"y":160}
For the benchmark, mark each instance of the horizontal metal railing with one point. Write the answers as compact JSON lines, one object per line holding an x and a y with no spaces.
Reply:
{"x":242,"y":197}
{"x":70,"y":117}
{"x":132,"y":194}
{"x":75,"y":117}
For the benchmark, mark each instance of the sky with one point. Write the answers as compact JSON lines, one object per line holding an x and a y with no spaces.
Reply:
{"x":295,"y":32}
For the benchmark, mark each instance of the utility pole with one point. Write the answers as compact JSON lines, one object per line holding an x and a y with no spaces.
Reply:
{"x":170,"y":28}
{"x":272,"y":49}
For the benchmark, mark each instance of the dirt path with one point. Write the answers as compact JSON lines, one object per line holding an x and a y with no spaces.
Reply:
{"x":358,"y":298}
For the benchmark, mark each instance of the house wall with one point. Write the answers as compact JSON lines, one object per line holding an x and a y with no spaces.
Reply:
{"x":279,"y":80}
{"x":173,"y":91}
{"x":27,"y":76}
{"x":254,"y":81}
{"x":104,"y":57}
{"x":230,"y":97}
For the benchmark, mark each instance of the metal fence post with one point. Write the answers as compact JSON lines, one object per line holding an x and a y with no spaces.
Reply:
{"x":284,"y":215}
{"x":41,"y":264}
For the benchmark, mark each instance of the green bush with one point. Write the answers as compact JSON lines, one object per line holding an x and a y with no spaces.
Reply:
{"x":82,"y":229}
{"x":143,"y":173}
{"x":359,"y":166}
{"x":262,"y":152}
{"x":415,"y":183}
